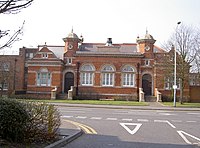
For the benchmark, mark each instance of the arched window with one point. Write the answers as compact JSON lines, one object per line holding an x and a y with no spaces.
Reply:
{"x":43,"y":77}
{"x":108,"y":75}
{"x":87,"y":74}
{"x":128,"y":74}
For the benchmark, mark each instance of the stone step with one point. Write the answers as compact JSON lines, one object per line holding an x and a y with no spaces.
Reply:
{"x":62,"y":96}
{"x":150,"y":99}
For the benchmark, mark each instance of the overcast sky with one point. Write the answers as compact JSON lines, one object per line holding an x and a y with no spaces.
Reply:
{"x":122,"y":20}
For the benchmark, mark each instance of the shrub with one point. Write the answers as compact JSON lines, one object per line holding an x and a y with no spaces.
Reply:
{"x":28,"y":121}
{"x":43,"y":123}
{"x":13,"y":119}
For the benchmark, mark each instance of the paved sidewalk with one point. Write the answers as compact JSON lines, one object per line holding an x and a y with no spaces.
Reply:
{"x":150,"y":107}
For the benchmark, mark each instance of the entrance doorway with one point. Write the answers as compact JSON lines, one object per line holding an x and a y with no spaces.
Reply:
{"x":147,"y":84}
{"x":69,"y":81}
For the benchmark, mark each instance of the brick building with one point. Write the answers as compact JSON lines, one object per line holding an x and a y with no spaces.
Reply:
{"x":95,"y":70}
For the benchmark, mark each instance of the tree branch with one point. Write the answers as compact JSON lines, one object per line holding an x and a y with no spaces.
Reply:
{"x":14,"y":6}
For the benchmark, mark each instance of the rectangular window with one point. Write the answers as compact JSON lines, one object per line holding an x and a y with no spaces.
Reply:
{"x":5,"y":66}
{"x":128,"y":79}
{"x":69,"y":61}
{"x":147,"y":62}
{"x":30,"y":55}
{"x":5,"y":86}
{"x":86,"y":78}
{"x":169,"y":82}
{"x":43,"y":79}
{"x":108,"y":79}
{"x":44,"y":55}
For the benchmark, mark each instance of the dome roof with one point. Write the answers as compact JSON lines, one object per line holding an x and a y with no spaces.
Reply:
{"x":72,"y":35}
{"x":148,"y":36}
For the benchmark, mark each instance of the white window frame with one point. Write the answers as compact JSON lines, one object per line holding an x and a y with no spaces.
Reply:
{"x":87,"y":75}
{"x":30,"y":55}
{"x":69,"y":61}
{"x":45,"y":55}
{"x":147,"y":62}
{"x":44,"y":78}
{"x":128,"y":76}
{"x":108,"y":76}
{"x":169,"y":82}
{"x":5,"y":86}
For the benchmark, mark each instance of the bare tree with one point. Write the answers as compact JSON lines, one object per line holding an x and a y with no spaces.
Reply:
{"x":12,"y":7}
{"x":185,"y":40}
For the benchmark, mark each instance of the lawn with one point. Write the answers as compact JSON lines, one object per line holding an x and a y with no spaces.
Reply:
{"x":97,"y":102}
{"x":186,"y":105}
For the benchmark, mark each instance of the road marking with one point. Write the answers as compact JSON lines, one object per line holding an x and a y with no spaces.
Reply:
{"x":165,"y":121}
{"x":81,"y":117}
{"x":111,"y":118}
{"x":191,"y":121}
{"x":84,"y":127}
{"x":176,"y":121}
{"x":67,"y":116}
{"x":181,"y":133}
{"x":96,"y":118}
{"x":193,"y":113}
{"x":132,"y":132}
{"x":127,"y":119}
{"x":142,"y":120}
{"x":166,"y":114}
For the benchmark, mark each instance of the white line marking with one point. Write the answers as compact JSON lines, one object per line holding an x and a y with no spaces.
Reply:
{"x":193,"y":113}
{"x":132,"y":132}
{"x":171,"y":124}
{"x":81,"y":117}
{"x":166,"y":114}
{"x":185,"y":139}
{"x":127,"y":119}
{"x":111,"y":118}
{"x":67,"y":116}
{"x":96,"y":118}
{"x":191,"y":121}
{"x":165,"y":121}
{"x":176,"y":121}
{"x":142,"y":120}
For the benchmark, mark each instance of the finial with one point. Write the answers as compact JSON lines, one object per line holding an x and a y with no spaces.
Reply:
{"x":45,"y":44}
{"x":146,"y":30}
{"x":72,"y":29}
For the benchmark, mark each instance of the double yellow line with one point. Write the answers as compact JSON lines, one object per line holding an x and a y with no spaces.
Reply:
{"x":85,"y":128}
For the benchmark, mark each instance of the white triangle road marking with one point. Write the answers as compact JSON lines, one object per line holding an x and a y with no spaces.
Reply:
{"x":132,"y":132}
{"x":181,"y":133}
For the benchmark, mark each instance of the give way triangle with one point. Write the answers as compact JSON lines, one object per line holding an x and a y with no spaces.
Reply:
{"x":133,"y":131}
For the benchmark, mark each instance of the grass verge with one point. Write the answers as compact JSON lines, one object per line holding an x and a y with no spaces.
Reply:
{"x":96,"y":102}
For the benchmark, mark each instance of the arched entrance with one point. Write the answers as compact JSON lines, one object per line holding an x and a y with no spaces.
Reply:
{"x":69,"y":81}
{"x":147,"y":84}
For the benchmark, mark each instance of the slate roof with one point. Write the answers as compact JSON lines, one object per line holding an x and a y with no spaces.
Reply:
{"x":57,"y":50}
{"x":124,"y":48}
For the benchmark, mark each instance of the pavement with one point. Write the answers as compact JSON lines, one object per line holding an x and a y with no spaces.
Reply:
{"x":70,"y":132}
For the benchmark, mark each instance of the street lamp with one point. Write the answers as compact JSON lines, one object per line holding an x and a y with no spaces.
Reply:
{"x":175,"y":86}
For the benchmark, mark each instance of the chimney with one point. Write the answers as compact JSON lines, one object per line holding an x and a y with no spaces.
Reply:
{"x":109,"y":42}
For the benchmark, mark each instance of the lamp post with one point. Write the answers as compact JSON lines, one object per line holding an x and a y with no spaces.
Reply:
{"x":175,"y":86}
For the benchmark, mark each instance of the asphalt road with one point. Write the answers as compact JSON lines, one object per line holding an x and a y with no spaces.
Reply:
{"x":126,"y":128}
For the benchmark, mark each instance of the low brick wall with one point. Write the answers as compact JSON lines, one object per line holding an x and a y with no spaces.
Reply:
{"x":194,"y":94}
